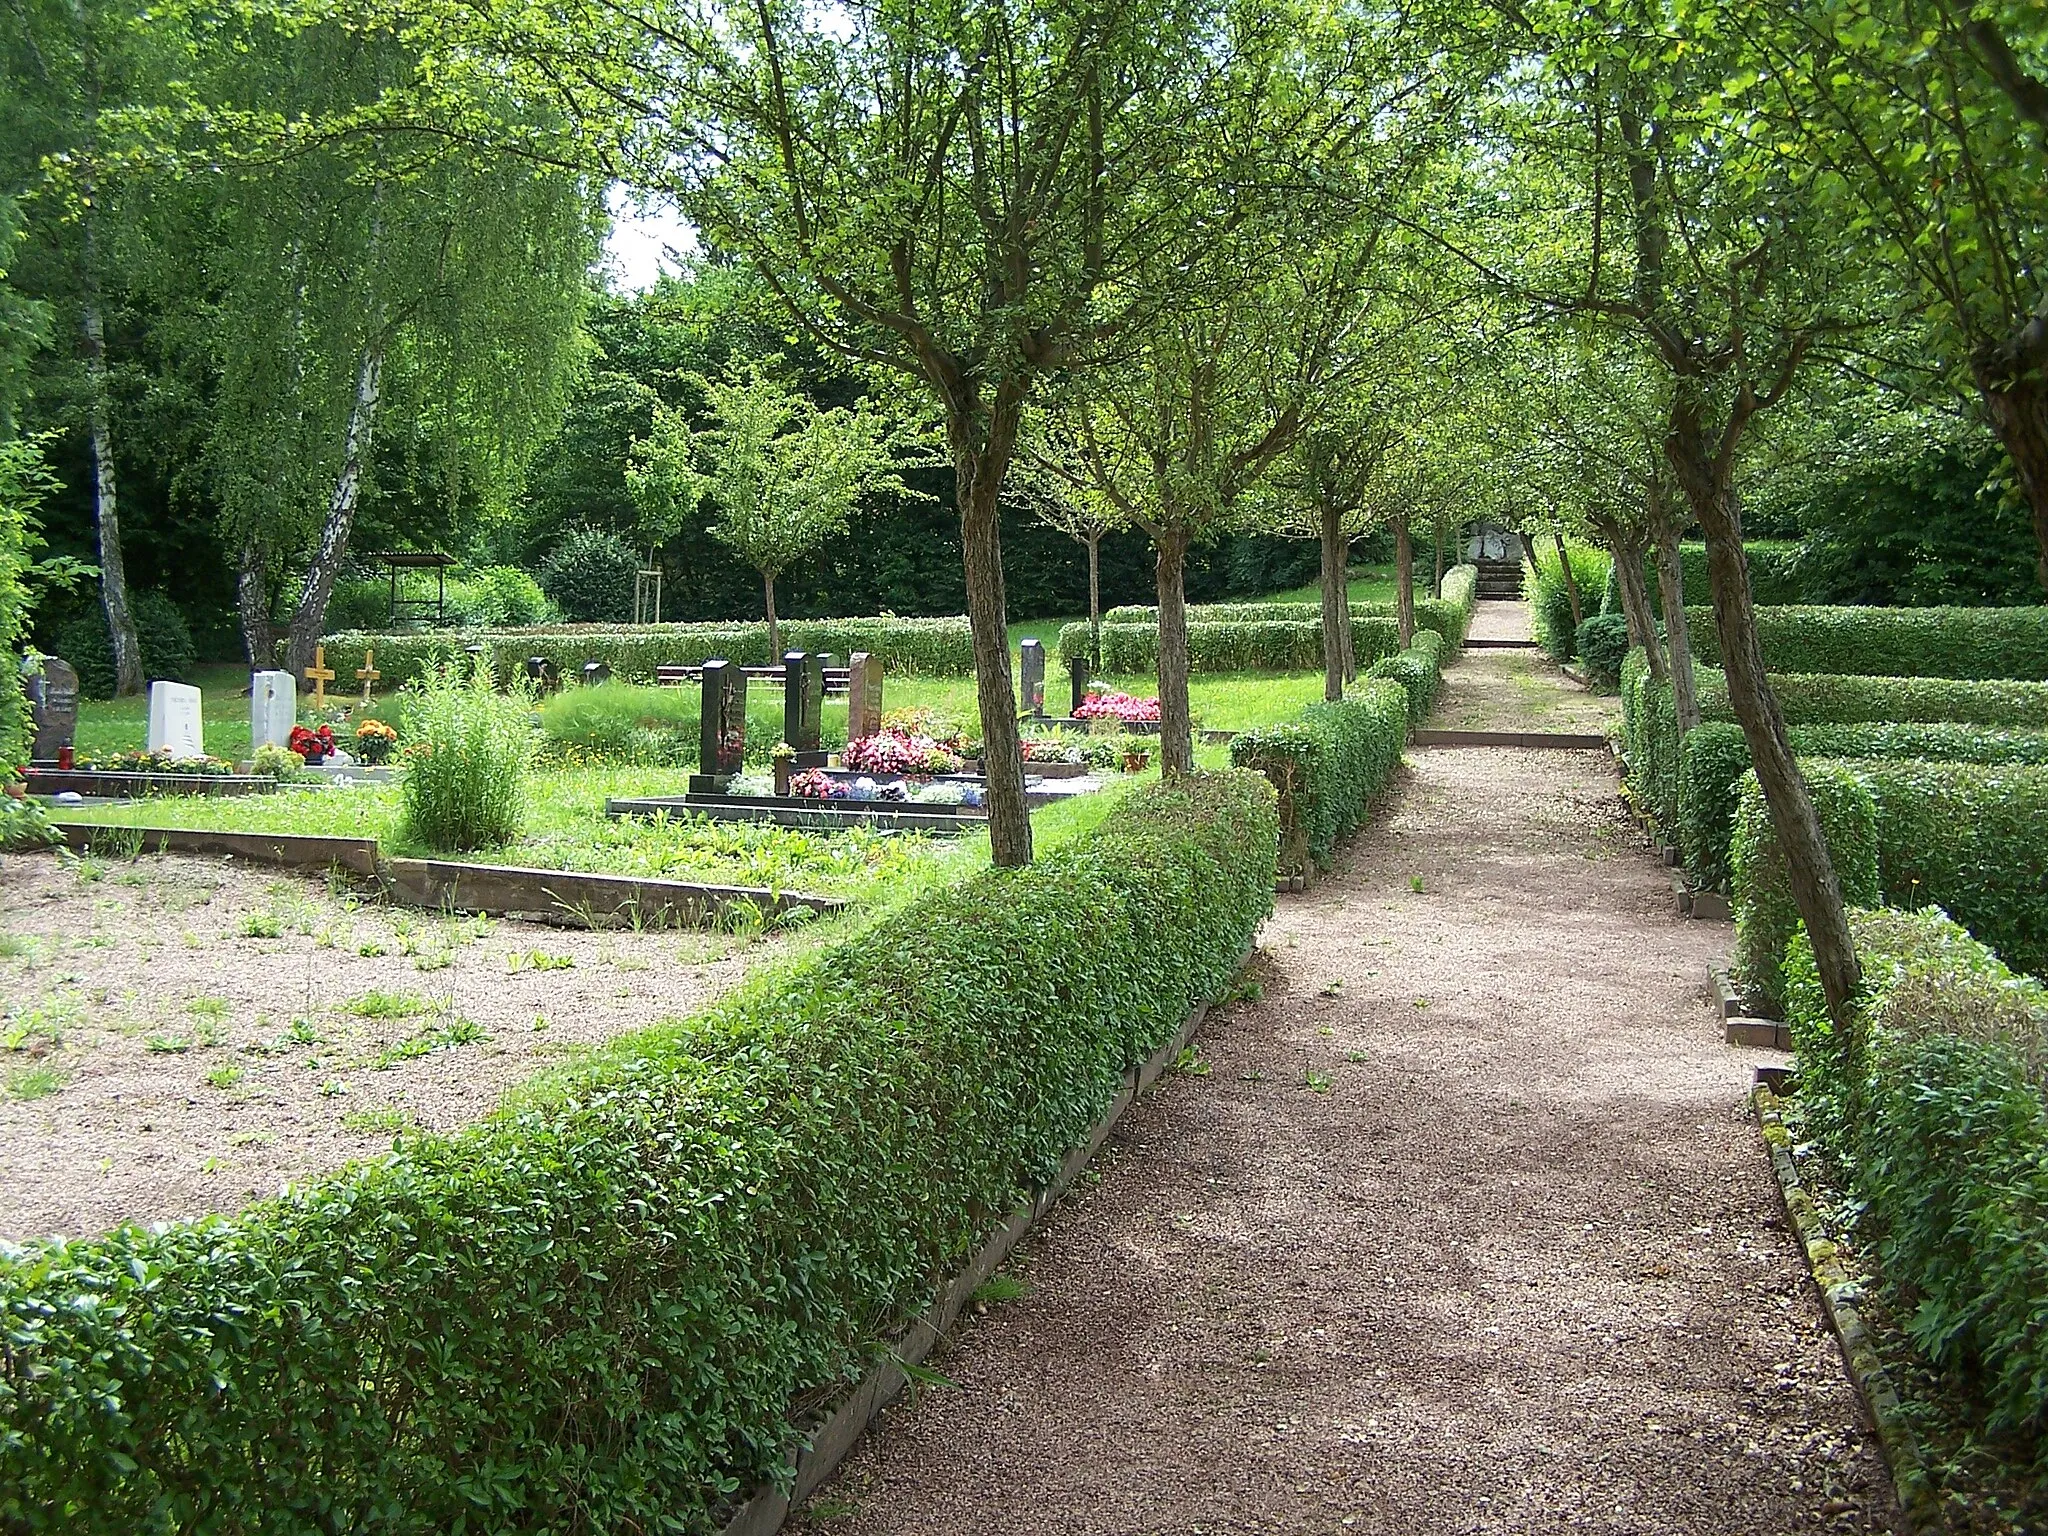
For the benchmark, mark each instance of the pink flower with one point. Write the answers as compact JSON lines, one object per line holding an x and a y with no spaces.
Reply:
{"x":1118,"y":706}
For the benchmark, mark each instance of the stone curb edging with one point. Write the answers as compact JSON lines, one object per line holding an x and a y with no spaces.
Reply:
{"x":1741,"y":1027}
{"x":1838,"y":1289}
{"x":829,"y":1444}
{"x":1570,"y":741}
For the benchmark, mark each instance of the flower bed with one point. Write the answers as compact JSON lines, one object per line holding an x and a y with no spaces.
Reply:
{"x":1121,"y":707}
{"x":153,"y":762}
{"x":899,"y":752}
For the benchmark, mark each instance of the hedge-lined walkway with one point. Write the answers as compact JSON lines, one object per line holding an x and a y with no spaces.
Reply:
{"x":1462,"y":1230}
{"x":1516,"y":690}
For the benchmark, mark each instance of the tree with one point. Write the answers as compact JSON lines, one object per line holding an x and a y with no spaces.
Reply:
{"x":783,"y":475}
{"x":1042,"y":484}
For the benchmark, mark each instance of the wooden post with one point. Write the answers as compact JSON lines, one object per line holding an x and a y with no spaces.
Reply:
{"x":367,"y":673}
{"x":319,"y":675}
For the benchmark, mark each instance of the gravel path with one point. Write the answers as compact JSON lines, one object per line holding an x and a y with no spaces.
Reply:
{"x":1459,"y":1227}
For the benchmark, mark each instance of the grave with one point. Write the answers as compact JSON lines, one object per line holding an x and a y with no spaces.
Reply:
{"x":542,"y":674}
{"x":174,"y":725}
{"x":1032,"y":666}
{"x":367,"y":674}
{"x":320,"y":675}
{"x":1079,"y":679}
{"x":863,"y":696}
{"x":721,"y":728}
{"x":273,"y":709}
{"x":595,"y":672}
{"x":52,"y":689}
{"x":803,"y":707}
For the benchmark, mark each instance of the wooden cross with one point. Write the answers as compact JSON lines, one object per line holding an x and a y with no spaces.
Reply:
{"x":319,"y":675}
{"x":367,"y":673}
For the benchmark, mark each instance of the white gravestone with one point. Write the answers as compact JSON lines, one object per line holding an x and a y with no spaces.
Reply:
{"x":174,"y":720}
{"x":273,"y":709}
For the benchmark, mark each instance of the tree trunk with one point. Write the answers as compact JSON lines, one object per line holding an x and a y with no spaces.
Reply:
{"x":2017,"y":403}
{"x":1094,"y":602}
{"x":1404,"y":582}
{"x":1333,"y":603}
{"x":1176,"y":725}
{"x":128,"y":674}
{"x":774,"y":629}
{"x":1685,"y":698}
{"x":1571,"y":579}
{"x":309,"y":620}
{"x":979,"y":471}
{"x":252,"y":603}
{"x":1635,"y":597}
{"x":1810,"y":871}
{"x":1437,"y":588}
{"x":1347,"y":640}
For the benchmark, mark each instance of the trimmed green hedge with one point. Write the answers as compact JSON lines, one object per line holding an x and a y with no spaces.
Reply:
{"x":598,"y":1309}
{"x":1774,"y":576}
{"x":1327,"y":765}
{"x":1941,"y":1125}
{"x":1894,"y":642}
{"x":1970,"y":838}
{"x":1715,"y":756}
{"x":1419,"y":670}
{"x":1765,"y":914}
{"x":907,"y":647}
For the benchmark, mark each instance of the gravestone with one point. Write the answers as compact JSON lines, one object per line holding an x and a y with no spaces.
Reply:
{"x":174,"y":726}
{"x":595,"y":672}
{"x":863,"y":696}
{"x":1033,"y":667}
{"x":1079,"y":669}
{"x":53,"y":702}
{"x":721,"y":728}
{"x":273,"y":709}
{"x":542,"y":674}
{"x":803,"y":707}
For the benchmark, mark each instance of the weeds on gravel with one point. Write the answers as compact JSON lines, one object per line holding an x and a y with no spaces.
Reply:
{"x":1315,"y":1082}
{"x":1190,"y":1062}
{"x":997,"y":1289}
{"x":226,"y":1075}
{"x":261,"y":925}
{"x":34,"y":1082}
{"x":385,"y":1121}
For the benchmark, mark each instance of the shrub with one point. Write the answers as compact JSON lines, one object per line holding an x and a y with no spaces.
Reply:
{"x":23,"y":483}
{"x":24,"y":828}
{"x":599,"y":1308}
{"x":1940,"y":1123}
{"x":1778,"y":573}
{"x":906,"y":647}
{"x":1460,"y":589}
{"x":1241,"y":645}
{"x":1550,"y":600}
{"x":166,"y":641}
{"x":1895,"y":642}
{"x":590,"y":576}
{"x":1970,"y":838}
{"x":1765,"y":914}
{"x":1714,"y":757}
{"x":1446,"y":616}
{"x":1419,"y":671}
{"x":469,"y":750}
{"x":1327,"y":765}
{"x":1601,"y":642}
{"x":279,"y":763}
{"x":499,"y":597}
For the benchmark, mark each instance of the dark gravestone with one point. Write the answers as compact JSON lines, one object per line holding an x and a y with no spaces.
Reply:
{"x":53,"y":703}
{"x":803,"y":707}
{"x":1033,"y":666}
{"x":541,"y":673}
{"x":595,"y":672}
{"x":721,"y":727}
{"x":1080,"y":681}
{"x":863,"y":696}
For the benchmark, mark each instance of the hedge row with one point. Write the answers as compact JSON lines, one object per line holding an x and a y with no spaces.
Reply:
{"x":1971,"y":838}
{"x":907,"y":647}
{"x":597,"y":1309}
{"x":1550,"y":597}
{"x":1893,"y":642}
{"x":1941,"y":1124}
{"x":1327,"y":765}
{"x":1774,"y":576}
{"x":1442,"y":615}
{"x":1714,"y":757}
{"x":1419,"y":671}
{"x":1273,"y":645}
{"x":1650,"y":724}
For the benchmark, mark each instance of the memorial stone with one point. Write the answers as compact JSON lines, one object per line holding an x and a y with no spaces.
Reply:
{"x":722,"y":728}
{"x":542,"y":674}
{"x":174,"y":721}
{"x":1033,"y":666}
{"x":595,"y":672}
{"x":803,"y":707}
{"x":53,"y":703}
{"x":273,"y":709}
{"x":1079,"y":678}
{"x":863,"y":696}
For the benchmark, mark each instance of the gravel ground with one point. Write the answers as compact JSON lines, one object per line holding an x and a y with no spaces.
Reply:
{"x":179,"y":1035}
{"x":1459,"y":1227}
{"x":1495,"y":690}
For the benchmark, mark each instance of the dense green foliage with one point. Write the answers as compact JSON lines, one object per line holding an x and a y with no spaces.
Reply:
{"x":589,"y":575}
{"x":1714,"y":757}
{"x":1449,"y":616}
{"x":493,"y":597}
{"x":596,"y":1309}
{"x":468,"y":752}
{"x":167,"y":650}
{"x":1327,"y":765}
{"x":1939,"y":1121}
{"x":1601,"y":643}
{"x":1774,"y":576}
{"x":20,"y":536}
{"x":1765,"y":914}
{"x":907,"y":647}
{"x":1419,"y":671}
{"x":1894,"y":642}
{"x":1971,"y":838}
{"x":1550,"y":599}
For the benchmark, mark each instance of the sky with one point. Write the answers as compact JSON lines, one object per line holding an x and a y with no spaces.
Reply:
{"x":643,"y":241}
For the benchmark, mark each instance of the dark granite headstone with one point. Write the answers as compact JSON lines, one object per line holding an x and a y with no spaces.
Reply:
{"x":863,"y":695}
{"x":1080,"y":682}
{"x":595,"y":672}
{"x":542,"y":674}
{"x":53,"y":702}
{"x":721,"y":728}
{"x":1033,"y":668}
{"x":803,"y":706}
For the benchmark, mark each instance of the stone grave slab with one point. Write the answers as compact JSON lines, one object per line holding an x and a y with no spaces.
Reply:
{"x":174,"y":720}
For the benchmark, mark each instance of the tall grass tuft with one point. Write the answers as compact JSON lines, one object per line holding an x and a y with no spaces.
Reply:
{"x":472,"y":748}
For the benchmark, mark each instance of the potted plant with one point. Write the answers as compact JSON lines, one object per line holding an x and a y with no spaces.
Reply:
{"x":374,"y":742}
{"x":1136,"y":759}
{"x":313,"y":746}
{"x":782,"y":760}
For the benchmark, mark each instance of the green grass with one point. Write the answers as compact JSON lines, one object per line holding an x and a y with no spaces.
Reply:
{"x":121,"y":725}
{"x":1375,"y":586}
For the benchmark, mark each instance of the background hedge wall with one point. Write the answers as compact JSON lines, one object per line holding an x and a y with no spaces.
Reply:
{"x":1327,"y":765}
{"x":1893,"y":642}
{"x":1765,"y":915}
{"x":596,"y":1309}
{"x":1418,"y":670}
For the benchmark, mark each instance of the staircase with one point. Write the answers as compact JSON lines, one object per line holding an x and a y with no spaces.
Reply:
{"x":1500,"y":581}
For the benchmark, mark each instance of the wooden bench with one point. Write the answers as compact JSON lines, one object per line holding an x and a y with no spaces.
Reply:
{"x":837,"y":679}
